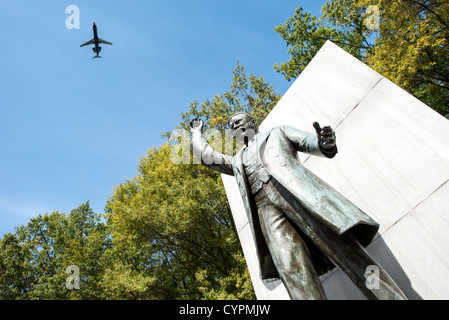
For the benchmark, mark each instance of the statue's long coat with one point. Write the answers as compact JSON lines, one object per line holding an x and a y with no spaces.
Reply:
{"x":277,"y":150}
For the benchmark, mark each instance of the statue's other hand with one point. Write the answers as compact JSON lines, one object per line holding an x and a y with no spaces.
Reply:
{"x":326,"y":136}
{"x":196,"y":124}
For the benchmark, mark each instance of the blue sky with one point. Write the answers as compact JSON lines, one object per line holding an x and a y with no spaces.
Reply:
{"x":73,"y":127}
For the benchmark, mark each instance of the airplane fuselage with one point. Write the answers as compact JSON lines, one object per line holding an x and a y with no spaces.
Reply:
{"x":97,"y":50}
{"x":95,"y":41}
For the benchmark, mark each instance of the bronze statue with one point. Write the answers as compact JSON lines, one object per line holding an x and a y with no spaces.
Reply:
{"x":302,"y":227}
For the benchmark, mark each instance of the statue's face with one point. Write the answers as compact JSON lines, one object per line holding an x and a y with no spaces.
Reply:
{"x":243,"y":126}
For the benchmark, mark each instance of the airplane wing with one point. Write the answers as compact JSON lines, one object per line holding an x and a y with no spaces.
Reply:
{"x":91,"y":41}
{"x":103,"y":41}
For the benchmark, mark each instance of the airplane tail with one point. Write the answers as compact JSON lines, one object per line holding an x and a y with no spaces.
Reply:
{"x":97,"y":56}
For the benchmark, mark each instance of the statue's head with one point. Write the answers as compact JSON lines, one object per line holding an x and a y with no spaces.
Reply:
{"x":243,"y":125}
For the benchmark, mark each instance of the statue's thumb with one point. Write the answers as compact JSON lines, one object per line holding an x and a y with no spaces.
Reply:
{"x":317,"y":127}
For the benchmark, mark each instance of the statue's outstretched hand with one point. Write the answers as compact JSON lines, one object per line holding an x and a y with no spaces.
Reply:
{"x":326,"y":136}
{"x":196,"y":125}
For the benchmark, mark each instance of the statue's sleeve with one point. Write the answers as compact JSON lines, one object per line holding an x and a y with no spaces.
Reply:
{"x":210,"y":158}
{"x":307,"y":142}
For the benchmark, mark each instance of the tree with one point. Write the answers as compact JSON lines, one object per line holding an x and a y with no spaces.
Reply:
{"x":342,"y":22}
{"x":33,"y":261}
{"x":412,"y":49}
{"x":171,"y":226}
{"x":16,"y":276}
{"x":410,"y":46}
{"x":248,"y":93}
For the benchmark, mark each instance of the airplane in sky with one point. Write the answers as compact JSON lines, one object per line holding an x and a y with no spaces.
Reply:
{"x":96,"y":41}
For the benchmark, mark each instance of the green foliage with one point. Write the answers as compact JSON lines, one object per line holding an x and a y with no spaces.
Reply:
{"x":16,"y":273}
{"x":410,"y":47}
{"x":413,"y":50}
{"x":247,"y":93}
{"x":305,"y":34}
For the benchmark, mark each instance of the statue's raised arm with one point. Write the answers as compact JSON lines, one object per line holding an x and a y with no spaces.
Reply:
{"x":205,"y":153}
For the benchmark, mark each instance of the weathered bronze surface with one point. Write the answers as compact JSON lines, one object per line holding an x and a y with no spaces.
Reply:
{"x":302,"y":227}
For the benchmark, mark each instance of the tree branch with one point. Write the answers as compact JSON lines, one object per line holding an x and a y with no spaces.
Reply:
{"x":430,"y":10}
